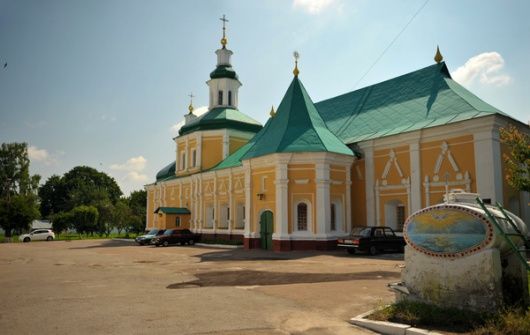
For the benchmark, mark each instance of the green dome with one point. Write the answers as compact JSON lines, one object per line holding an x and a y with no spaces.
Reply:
{"x":224,"y":71}
{"x":222,"y":118}
{"x":168,"y":171}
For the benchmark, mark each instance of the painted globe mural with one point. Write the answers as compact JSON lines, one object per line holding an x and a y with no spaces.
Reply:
{"x":447,"y":231}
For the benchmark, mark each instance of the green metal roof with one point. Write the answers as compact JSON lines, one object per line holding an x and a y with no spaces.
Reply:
{"x":224,"y":71}
{"x":421,"y":99}
{"x":172,"y":210}
{"x":297,"y":127}
{"x":167,"y":171}
{"x":222,"y":118}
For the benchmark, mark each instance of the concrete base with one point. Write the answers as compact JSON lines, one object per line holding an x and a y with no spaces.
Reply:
{"x":290,"y":245}
{"x":223,"y":237}
{"x":473,"y":282}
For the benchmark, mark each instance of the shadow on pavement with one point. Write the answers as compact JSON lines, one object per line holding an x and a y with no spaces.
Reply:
{"x":267,"y":255}
{"x":264,"y":278}
{"x":107,"y":244}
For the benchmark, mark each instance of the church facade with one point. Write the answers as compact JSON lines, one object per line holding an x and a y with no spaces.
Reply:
{"x":314,"y":170}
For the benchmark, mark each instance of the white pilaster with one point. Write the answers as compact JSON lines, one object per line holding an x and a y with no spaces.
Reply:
{"x":488,"y":165}
{"x":199,"y":150}
{"x":415,"y":178}
{"x":226,"y":143}
{"x":348,"y":224}
{"x":281,"y":223}
{"x":231,"y":205}
{"x":323,"y":211}
{"x":248,"y":200}
{"x":369,"y":184}
{"x":186,"y":154}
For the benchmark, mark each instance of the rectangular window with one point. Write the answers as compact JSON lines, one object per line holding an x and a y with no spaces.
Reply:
{"x":220,"y":97}
{"x":240,"y":216}
{"x":177,"y":221}
{"x":230,"y":98}
{"x":194,"y":158}
{"x":227,"y":213}
{"x":400,"y":215}
{"x":333,"y":218}
{"x":183,"y":161}
{"x":302,"y":216}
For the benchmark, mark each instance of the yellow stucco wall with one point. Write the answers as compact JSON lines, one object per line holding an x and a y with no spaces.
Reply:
{"x":263,"y":183}
{"x":462,"y":150}
{"x":301,"y":191}
{"x":212,"y":151}
{"x":235,"y":143}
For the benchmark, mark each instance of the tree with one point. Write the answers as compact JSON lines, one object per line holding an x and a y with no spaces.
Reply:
{"x":82,"y":185}
{"x":62,"y":221}
{"x":518,"y":159}
{"x":84,"y":218}
{"x":18,"y":200}
{"x":122,"y":216}
{"x":137,"y":203}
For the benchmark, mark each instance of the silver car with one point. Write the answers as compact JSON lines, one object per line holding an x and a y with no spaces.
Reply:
{"x":38,"y":235}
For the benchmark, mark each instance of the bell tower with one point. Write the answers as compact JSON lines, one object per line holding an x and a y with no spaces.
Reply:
{"x":224,"y":83}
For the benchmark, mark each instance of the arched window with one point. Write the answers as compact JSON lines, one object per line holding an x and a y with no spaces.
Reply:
{"x":333,"y":217}
{"x":230,"y":98}
{"x":301,"y":210}
{"x":220,"y":97}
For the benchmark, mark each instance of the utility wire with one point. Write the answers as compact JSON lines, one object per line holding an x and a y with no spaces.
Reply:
{"x":391,"y":43}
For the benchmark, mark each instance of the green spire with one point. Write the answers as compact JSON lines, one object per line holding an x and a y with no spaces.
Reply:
{"x":297,"y":127}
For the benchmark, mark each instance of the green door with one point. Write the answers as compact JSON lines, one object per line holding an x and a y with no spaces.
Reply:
{"x":266,"y":230}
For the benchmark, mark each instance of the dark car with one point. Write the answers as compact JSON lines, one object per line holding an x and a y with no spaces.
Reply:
{"x":146,"y":239}
{"x":372,"y":240}
{"x":176,"y":236}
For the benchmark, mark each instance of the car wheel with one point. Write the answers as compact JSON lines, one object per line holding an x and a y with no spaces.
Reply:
{"x":351,"y":251}
{"x":191,"y":242}
{"x":165,"y":243}
{"x":26,"y":239}
{"x":157,"y":245}
{"x":49,"y":238}
{"x":373,"y":250}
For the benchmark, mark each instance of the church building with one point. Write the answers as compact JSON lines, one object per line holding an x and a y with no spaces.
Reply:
{"x":314,"y":170}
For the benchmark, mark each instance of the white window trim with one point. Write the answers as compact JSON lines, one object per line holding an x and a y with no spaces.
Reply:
{"x":194,"y":158}
{"x":309,"y":231}
{"x":339,"y":216}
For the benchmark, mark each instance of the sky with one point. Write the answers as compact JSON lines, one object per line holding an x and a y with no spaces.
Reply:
{"x":104,"y":83}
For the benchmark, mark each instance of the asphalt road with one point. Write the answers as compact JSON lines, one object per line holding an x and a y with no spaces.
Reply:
{"x":115,"y":287}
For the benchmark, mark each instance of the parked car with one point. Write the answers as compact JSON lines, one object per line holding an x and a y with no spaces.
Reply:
{"x":175,"y":236}
{"x":146,"y":239}
{"x":372,"y":240}
{"x":38,"y":235}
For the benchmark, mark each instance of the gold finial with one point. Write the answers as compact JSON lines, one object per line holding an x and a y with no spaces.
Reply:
{"x":272,"y":113}
{"x":190,"y":107}
{"x":438,"y":57}
{"x":224,"y":40}
{"x":296,"y":56}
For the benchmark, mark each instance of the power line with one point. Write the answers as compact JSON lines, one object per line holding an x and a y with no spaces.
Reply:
{"x":391,"y":43}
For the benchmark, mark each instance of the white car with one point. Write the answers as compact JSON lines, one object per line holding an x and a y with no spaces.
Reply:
{"x":38,"y":235}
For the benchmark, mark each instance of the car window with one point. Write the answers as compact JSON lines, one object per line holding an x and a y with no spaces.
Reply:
{"x":186,"y":231}
{"x":389,"y":232}
{"x":168,"y":232}
{"x":161,"y":232}
{"x":378,"y":232}
{"x":152,"y":232}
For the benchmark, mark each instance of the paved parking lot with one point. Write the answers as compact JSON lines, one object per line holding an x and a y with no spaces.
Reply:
{"x":115,"y":287}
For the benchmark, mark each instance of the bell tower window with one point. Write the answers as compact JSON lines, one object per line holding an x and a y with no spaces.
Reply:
{"x":230,"y":98}
{"x":220,"y":97}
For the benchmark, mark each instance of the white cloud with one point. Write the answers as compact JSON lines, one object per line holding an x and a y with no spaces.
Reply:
{"x":487,"y":67}
{"x":136,"y":177}
{"x":313,"y":6}
{"x":40,"y":155}
{"x":197,"y":111}
{"x":135,"y":164}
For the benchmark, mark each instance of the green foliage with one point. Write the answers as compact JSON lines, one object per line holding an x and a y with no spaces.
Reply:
{"x":518,"y":159}
{"x":137,"y":203}
{"x":507,"y":322}
{"x":18,"y":202}
{"x":82,"y":185}
{"x":122,"y":216}
{"x":62,"y":221}
{"x":85,"y":218}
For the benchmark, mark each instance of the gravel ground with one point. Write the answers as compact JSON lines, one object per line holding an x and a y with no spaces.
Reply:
{"x":115,"y":287}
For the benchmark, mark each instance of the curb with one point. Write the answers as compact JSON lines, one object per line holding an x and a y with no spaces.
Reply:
{"x":219,"y":246}
{"x":388,"y":328}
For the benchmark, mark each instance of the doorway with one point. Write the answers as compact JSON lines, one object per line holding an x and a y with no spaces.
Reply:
{"x":266,"y":230}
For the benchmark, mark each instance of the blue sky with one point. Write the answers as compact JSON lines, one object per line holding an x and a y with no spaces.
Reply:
{"x":102,"y":83}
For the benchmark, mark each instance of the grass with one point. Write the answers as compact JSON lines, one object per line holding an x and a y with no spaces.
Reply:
{"x":509,"y":321}
{"x":76,"y":236}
